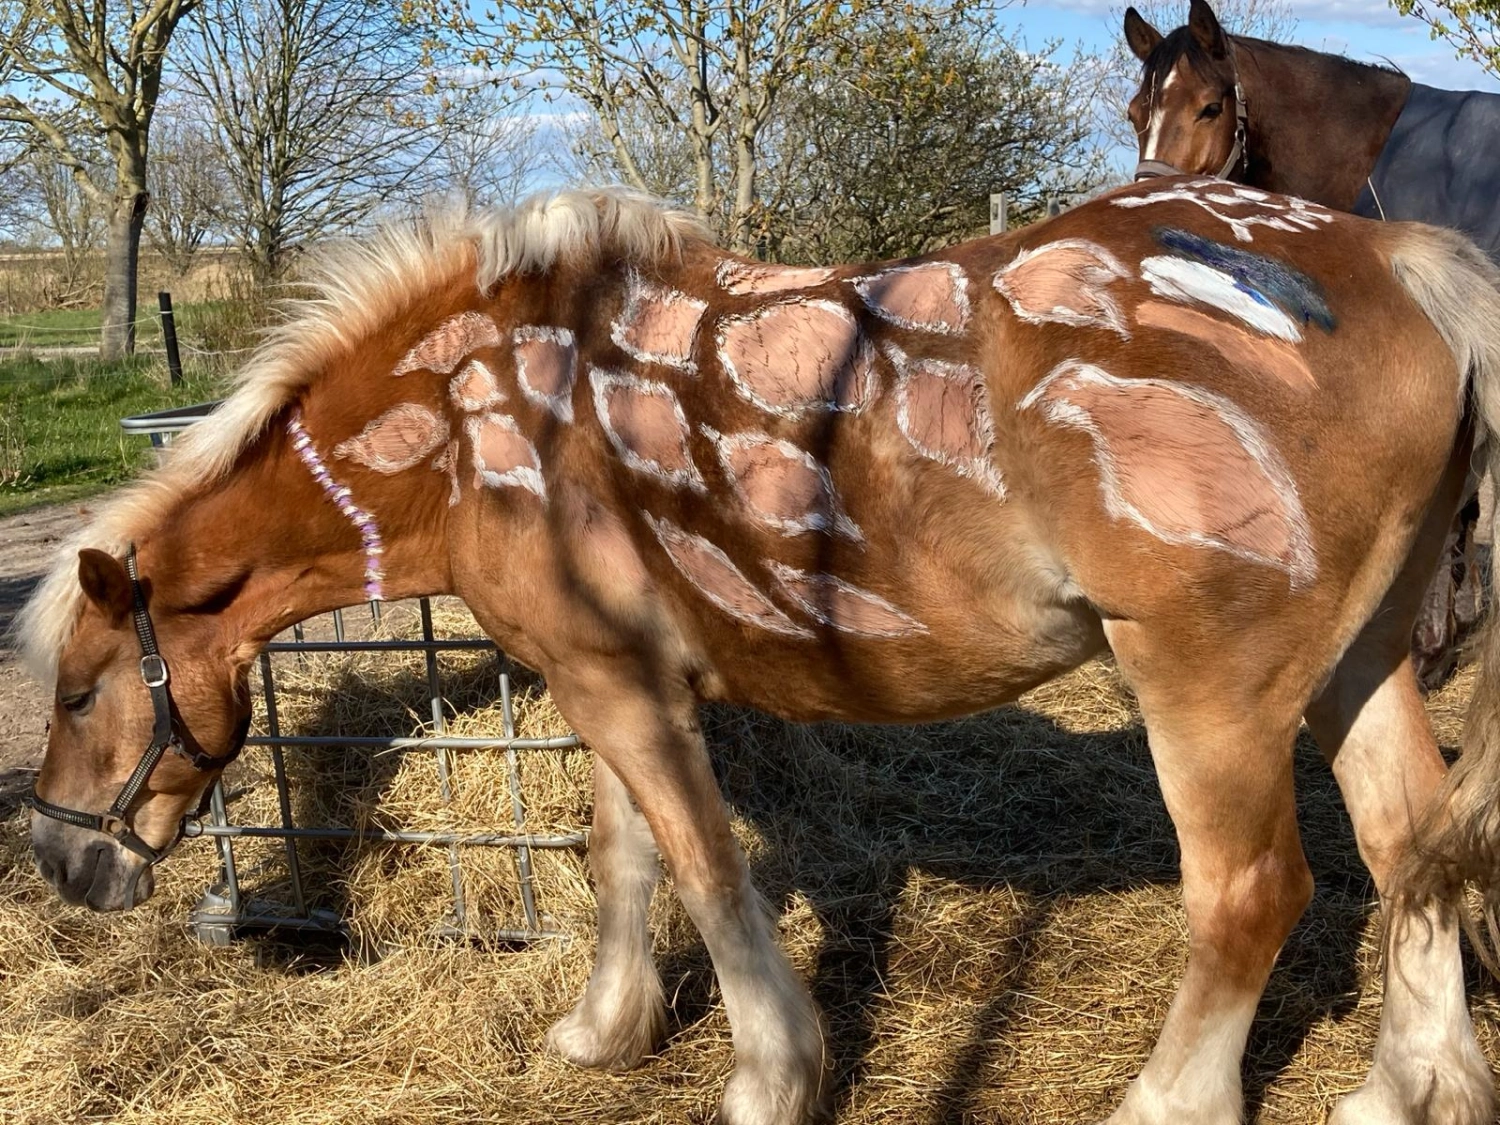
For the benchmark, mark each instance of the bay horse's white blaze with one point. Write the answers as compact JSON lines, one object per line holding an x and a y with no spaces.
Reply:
{"x":442,"y":349}
{"x":475,"y":387}
{"x":943,"y":409}
{"x":644,"y":422}
{"x":714,"y":575}
{"x":782,"y":486}
{"x":1065,"y":282}
{"x":503,"y":456}
{"x":401,"y":438}
{"x":546,"y":368}
{"x":830,"y":600}
{"x":931,"y":296}
{"x":1185,"y":465}
{"x":798,"y":357}
{"x":1178,"y":279}
{"x":658,"y":325}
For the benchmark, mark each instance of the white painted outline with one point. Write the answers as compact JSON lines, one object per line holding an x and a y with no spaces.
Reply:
{"x":478,"y":331}
{"x":1189,"y":282}
{"x":493,"y":397}
{"x":638,"y":291}
{"x":602,"y":381}
{"x":729,"y":268}
{"x":351,"y":449}
{"x":981,"y":469}
{"x":668,"y":533}
{"x":864,"y":357}
{"x":1108,"y":269}
{"x":862,"y":286}
{"x":560,"y":405}
{"x":786,"y":576}
{"x":518,"y":476}
{"x":1291,"y":213}
{"x":447,"y":462}
{"x":832,"y":521}
{"x":1301,"y":568}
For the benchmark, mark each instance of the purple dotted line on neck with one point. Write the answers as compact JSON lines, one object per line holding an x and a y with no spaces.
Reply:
{"x":369,"y":534}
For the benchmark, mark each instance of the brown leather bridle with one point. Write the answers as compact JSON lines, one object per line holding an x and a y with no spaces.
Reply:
{"x":165,"y":735}
{"x":1150,"y":169}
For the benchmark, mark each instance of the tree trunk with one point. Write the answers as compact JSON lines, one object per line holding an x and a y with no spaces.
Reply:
{"x":122,"y":254}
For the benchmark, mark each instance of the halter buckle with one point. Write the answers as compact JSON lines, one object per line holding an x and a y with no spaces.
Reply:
{"x":154,"y":671}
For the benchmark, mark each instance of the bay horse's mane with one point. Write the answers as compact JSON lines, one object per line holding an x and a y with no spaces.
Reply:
{"x":350,"y":290}
{"x":1180,"y":42}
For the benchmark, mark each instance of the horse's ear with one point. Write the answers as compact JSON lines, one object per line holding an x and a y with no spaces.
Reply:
{"x":1206,"y":29}
{"x":1139,"y":34}
{"x":105,"y":583}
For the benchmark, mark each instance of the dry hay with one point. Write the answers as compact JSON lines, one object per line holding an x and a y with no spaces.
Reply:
{"x":986,"y":910}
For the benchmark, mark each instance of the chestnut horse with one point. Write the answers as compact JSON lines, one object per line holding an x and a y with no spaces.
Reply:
{"x":1348,"y":135}
{"x":1218,"y":432}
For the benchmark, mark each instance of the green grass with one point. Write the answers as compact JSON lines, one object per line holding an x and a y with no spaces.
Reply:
{"x":60,"y":436}
{"x":68,"y":328}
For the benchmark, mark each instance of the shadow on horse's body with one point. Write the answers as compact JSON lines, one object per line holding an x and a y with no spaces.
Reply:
{"x":1220,"y":433}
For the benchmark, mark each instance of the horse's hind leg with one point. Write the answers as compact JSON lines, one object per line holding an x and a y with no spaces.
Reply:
{"x":1371,"y":724}
{"x":620,"y":1018}
{"x":1223,"y":754}
{"x":646,"y":728}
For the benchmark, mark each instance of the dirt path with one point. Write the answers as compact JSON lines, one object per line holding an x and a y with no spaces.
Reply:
{"x":27,"y":544}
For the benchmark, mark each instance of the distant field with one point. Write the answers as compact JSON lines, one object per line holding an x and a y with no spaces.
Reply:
{"x":60,"y":437}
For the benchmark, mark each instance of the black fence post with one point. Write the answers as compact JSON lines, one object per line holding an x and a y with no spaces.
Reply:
{"x":169,"y":337}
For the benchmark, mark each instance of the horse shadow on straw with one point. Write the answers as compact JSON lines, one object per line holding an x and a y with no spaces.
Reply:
{"x":1009,"y":802}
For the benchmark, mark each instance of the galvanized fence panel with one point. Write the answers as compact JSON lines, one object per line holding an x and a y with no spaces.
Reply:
{"x":226,"y":908}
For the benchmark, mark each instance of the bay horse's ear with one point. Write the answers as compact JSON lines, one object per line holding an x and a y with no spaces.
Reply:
{"x":105,"y":583}
{"x":1140,"y":35}
{"x":1206,"y":29}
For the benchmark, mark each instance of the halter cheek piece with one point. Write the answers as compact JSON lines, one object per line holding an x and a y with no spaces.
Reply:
{"x":1150,"y":169}
{"x":164,"y":736}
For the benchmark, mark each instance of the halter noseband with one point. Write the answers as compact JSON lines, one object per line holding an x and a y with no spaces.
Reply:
{"x":164,"y":736}
{"x":1150,"y":169}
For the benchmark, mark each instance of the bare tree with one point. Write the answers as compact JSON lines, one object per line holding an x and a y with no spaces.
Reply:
{"x":893,"y":148}
{"x":188,"y":187}
{"x":325,"y":109}
{"x":489,"y":154}
{"x":72,"y":69}
{"x":46,"y":209}
{"x":709,"y":71}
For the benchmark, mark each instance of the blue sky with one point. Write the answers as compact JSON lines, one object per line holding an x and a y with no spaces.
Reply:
{"x":1368,"y":30}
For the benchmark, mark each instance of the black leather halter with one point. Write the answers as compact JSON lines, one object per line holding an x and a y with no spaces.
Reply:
{"x":1150,"y":169}
{"x":164,"y":736}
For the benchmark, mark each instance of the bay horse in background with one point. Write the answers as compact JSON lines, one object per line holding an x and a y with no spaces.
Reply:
{"x":1219,"y":432}
{"x":1351,"y":136}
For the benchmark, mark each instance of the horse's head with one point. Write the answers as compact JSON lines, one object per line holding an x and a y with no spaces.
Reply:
{"x":150,"y":705}
{"x":1189,"y":114}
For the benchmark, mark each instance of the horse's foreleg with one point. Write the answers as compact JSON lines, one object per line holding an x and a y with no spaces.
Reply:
{"x":620,"y":1017}
{"x":1428,"y":1069}
{"x":1225,"y":767}
{"x":651,"y":740}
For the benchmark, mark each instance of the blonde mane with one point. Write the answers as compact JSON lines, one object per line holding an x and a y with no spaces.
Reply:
{"x":353,"y":289}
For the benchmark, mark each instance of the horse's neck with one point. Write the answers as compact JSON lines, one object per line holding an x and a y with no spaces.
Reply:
{"x":1316,"y":126}
{"x":273,"y":544}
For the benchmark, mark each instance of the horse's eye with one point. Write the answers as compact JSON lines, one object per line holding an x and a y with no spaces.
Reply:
{"x":1210,"y":111}
{"x":79,"y":703}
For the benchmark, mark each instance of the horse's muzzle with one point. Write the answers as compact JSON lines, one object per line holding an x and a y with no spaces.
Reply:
{"x":86,"y":869}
